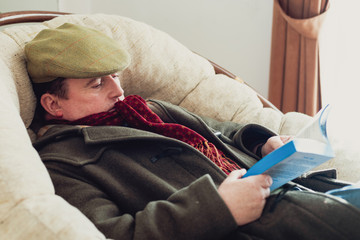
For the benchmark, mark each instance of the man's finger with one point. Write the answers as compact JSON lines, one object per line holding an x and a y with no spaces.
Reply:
{"x":286,"y":139}
{"x":237,"y":174}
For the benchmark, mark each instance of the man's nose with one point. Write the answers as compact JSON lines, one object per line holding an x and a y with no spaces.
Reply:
{"x":115,"y":87}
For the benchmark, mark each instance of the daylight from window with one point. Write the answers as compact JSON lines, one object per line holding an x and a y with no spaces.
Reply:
{"x":340,"y":65}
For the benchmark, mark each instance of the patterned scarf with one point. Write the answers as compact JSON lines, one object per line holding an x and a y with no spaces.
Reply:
{"x":134,"y":112}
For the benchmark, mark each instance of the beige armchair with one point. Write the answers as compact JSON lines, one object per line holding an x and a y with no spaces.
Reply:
{"x":161,"y":68}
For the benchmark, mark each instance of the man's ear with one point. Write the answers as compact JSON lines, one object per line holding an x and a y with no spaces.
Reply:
{"x":51,"y":105}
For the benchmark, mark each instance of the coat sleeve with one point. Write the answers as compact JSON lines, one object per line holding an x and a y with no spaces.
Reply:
{"x":194,"y":212}
{"x":244,"y":136}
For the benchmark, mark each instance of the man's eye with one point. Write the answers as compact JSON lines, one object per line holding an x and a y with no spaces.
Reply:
{"x":98,"y":84}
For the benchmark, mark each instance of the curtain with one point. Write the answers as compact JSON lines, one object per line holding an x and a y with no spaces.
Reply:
{"x":294,"y":82}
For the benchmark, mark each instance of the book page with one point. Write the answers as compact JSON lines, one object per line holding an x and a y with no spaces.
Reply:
{"x":317,"y":128}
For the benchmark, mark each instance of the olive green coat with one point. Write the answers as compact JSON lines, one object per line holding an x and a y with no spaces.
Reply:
{"x":139,"y":185}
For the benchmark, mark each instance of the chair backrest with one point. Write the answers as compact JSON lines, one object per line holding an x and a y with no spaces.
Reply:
{"x":41,"y":16}
{"x":162,"y":68}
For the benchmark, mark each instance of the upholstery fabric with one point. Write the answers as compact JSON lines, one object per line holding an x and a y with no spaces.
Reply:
{"x":161,"y":68}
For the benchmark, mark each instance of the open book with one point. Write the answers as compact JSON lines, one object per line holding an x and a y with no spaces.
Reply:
{"x":308,"y":149}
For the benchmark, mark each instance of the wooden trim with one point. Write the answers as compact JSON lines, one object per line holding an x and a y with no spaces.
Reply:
{"x":27,"y":16}
{"x":220,"y":70}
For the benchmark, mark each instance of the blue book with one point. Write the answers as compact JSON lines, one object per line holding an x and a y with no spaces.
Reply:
{"x":308,"y":149}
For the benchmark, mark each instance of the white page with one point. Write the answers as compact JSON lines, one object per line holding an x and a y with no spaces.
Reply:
{"x":317,"y":128}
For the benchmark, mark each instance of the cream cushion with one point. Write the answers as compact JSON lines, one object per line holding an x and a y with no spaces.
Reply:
{"x":161,"y":68}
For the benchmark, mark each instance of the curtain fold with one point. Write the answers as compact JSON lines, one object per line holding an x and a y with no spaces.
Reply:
{"x":294,"y":83}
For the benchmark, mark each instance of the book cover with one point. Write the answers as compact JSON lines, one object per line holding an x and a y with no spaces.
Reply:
{"x":308,"y":149}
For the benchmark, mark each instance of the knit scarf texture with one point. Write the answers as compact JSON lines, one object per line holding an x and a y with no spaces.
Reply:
{"x":134,"y":112}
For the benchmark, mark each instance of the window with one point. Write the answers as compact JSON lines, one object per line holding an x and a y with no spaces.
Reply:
{"x":340,"y":66}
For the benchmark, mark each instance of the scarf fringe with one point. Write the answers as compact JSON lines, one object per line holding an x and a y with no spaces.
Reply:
{"x":210,"y":151}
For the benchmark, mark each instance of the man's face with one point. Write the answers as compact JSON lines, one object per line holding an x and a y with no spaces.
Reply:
{"x":90,"y":96}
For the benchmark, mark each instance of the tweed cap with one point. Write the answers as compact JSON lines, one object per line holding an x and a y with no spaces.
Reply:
{"x":73,"y":51}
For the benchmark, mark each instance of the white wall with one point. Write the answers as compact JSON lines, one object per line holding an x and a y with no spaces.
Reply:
{"x":19,"y":5}
{"x":236,"y":34}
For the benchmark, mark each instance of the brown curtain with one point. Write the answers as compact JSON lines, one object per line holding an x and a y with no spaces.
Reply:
{"x":294,"y":83}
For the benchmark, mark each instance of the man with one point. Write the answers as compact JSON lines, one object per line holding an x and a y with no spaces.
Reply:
{"x":137,"y":169}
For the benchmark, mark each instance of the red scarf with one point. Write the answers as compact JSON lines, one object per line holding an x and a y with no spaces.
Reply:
{"x":134,"y":111}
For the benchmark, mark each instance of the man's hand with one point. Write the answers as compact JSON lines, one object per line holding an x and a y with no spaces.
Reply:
{"x":245,"y":197}
{"x":274,"y":143}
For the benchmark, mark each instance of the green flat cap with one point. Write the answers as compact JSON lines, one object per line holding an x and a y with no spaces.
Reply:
{"x":73,"y":51}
